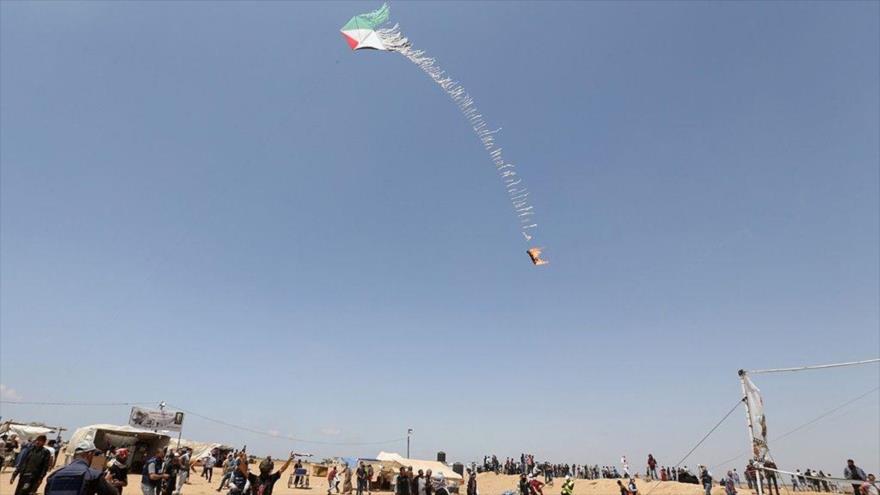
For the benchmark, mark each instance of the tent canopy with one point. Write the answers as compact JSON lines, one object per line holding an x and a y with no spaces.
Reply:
{"x":26,"y":432}
{"x":437,"y":468}
{"x":200,"y":449}
{"x":115,"y":435}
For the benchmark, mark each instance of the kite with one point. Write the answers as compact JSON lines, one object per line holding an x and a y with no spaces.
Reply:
{"x":370,"y":31}
{"x":535,"y":255}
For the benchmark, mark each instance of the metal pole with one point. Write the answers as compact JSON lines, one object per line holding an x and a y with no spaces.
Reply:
{"x":742,"y":381}
{"x":179,"y":434}
{"x":409,"y":432}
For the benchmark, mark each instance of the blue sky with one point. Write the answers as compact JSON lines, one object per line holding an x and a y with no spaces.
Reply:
{"x":219,"y":205}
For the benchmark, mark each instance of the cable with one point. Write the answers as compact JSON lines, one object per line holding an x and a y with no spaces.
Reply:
{"x":816,"y":367}
{"x":285,"y":437}
{"x":35,"y":403}
{"x":808,"y":423}
{"x":703,"y":439}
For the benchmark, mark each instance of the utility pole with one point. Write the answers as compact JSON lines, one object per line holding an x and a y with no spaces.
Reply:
{"x":409,"y":433}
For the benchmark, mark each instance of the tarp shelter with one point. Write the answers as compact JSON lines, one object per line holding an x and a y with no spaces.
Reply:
{"x":437,"y":468}
{"x":141,"y":443}
{"x":202,"y":449}
{"x":26,"y":433}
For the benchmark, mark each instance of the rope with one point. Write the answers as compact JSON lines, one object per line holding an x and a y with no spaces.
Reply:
{"x":826,"y":478}
{"x":815,"y":367}
{"x":808,"y":423}
{"x":702,"y":439}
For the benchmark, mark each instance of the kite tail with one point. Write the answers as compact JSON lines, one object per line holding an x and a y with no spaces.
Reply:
{"x":516,"y":191}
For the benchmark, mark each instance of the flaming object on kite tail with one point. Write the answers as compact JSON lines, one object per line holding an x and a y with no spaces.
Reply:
{"x":366,"y":32}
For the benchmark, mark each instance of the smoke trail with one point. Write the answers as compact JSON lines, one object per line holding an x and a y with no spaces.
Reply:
{"x":513,"y":184}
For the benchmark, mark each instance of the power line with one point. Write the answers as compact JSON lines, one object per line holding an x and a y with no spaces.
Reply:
{"x":279,"y":436}
{"x":37,"y":403}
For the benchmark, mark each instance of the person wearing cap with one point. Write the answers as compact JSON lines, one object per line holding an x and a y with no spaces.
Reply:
{"x":117,"y":471}
{"x":78,"y":477}
{"x":32,"y":466}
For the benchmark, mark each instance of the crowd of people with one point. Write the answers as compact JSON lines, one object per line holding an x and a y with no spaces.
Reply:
{"x":167,"y":470}
{"x":811,"y":480}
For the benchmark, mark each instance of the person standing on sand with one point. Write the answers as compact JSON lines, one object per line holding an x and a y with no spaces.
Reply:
{"x":736,"y":478}
{"x":706,"y":480}
{"x":152,"y":475}
{"x":78,"y":478}
{"x":117,"y":472}
{"x":208,"y":467}
{"x":729,"y":486}
{"x":331,"y":480}
{"x":183,"y":460}
{"x":471,"y":483}
{"x":622,"y":488}
{"x":228,"y":466}
{"x":414,"y":482}
{"x":360,"y":475}
{"x":429,"y":482}
{"x":265,"y":482}
{"x":346,"y":479}
{"x":652,"y":467}
{"x":172,"y":469}
{"x":402,"y":486}
{"x":32,"y":466}
{"x":853,"y":472}
{"x":770,"y":474}
{"x":524,"y":488}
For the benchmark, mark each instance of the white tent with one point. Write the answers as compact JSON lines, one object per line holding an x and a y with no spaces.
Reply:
{"x":105,"y":436}
{"x":201,"y":449}
{"x":437,"y":468}
{"x":26,"y":433}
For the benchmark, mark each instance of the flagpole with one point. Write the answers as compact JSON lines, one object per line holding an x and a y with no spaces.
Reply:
{"x":742,"y":381}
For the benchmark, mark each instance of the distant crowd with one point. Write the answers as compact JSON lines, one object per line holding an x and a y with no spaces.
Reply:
{"x":810,"y":480}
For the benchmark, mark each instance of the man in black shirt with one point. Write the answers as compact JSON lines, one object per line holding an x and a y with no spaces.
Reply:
{"x":265,"y":482}
{"x":32,"y":467}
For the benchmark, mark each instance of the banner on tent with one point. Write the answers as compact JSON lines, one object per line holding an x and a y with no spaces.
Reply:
{"x":151,"y":419}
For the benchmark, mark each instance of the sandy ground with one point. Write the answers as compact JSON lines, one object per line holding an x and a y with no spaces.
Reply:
{"x":487,"y":483}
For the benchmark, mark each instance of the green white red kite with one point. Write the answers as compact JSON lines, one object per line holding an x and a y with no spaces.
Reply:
{"x":366,"y":31}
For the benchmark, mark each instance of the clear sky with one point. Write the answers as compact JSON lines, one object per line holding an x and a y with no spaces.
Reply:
{"x":219,"y":205}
